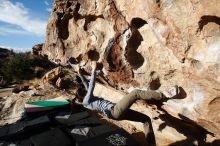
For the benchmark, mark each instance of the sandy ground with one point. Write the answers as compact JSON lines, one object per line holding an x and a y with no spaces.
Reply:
{"x":5,"y":92}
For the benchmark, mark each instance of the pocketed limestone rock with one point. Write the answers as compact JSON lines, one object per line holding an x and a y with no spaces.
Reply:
{"x":145,"y":44}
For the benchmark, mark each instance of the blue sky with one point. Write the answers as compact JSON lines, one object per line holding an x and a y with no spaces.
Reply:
{"x":23,"y":23}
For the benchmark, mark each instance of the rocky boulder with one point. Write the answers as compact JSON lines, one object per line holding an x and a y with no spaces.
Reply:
{"x":62,"y":78}
{"x":146,"y":44}
{"x":52,"y":75}
{"x":37,"y":49}
{"x":20,"y":88}
{"x":62,"y":83}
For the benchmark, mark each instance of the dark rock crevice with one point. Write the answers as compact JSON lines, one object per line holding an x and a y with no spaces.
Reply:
{"x":89,"y":19}
{"x":137,"y":23}
{"x":63,"y":25}
{"x":158,"y":2}
{"x":118,"y":71}
{"x":93,"y":55}
{"x":67,"y":11}
{"x":114,"y":58}
{"x":134,"y":58}
{"x":109,"y":55}
{"x":63,"y":19}
{"x":96,"y":5}
{"x":155,"y":81}
{"x":208,"y":19}
{"x":76,"y":15}
{"x":120,"y":20}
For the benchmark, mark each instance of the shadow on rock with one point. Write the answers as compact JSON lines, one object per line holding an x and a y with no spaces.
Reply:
{"x":187,"y":127}
{"x":132,"y":115}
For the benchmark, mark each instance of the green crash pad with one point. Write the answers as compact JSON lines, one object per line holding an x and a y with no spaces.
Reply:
{"x":48,"y":103}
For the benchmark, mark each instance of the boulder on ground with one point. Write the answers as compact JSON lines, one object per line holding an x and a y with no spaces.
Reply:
{"x":63,"y":83}
{"x":36,"y":49}
{"x":52,"y":75}
{"x":20,"y":88}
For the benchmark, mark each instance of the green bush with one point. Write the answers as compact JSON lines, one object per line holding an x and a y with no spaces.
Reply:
{"x":17,"y":68}
{"x":23,"y":66}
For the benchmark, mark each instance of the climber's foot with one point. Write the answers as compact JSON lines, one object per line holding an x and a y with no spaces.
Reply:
{"x":171,"y":92}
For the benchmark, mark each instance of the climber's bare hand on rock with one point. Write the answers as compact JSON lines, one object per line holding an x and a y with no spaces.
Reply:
{"x":78,"y":68}
{"x":94,"y":65}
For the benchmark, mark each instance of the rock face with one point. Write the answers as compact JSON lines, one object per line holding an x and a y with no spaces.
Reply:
{"x":146,"y":44}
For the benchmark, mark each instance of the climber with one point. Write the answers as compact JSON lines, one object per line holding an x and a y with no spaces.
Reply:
{"x":111,"y":110}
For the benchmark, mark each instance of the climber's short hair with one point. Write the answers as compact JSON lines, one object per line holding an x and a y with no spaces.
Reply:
{"x":80,"y":94}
